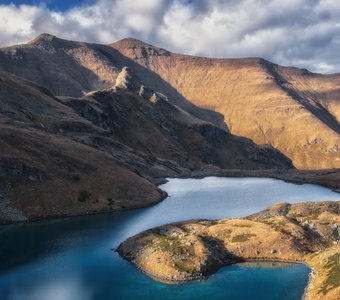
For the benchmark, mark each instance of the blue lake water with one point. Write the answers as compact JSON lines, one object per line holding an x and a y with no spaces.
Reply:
{"x":70,"y":259}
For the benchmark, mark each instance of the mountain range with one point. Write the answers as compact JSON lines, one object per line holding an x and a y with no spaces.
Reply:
{"x":86,"y":128}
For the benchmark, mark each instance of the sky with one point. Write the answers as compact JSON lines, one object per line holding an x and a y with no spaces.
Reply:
{"x":302,"y":33}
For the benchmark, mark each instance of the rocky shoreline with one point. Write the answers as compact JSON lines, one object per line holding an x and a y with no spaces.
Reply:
{"x":306,"y":233}
{"x":89,"y":213}
{"x":202,"y":277}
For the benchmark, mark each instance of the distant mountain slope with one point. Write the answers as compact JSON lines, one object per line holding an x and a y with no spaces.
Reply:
{"x":295,"y":111}
{"x":105,"y":150}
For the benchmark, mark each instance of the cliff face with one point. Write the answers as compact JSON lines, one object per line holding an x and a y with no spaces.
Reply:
{"x":294,"y":110}
{"x":105,"y":150}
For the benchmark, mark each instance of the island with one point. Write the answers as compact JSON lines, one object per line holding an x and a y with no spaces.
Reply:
{"x":306,"y":233}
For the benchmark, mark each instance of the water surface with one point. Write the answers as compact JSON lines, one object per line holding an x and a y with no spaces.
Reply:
{"x":70,"y":259}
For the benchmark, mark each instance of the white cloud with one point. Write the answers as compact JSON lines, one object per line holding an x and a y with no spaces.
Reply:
{"x":305,"y":33}
{"x":16,"y":23}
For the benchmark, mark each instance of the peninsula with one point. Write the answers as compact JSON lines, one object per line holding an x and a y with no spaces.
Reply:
{"x":192,"y":250}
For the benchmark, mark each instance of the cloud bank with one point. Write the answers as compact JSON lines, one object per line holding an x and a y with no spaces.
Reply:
{"x":304,"y":33}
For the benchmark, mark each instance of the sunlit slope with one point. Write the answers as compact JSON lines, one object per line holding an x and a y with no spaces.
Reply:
{"x":292,"y":109}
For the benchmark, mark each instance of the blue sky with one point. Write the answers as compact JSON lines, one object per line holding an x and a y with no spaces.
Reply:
{"x":303,"y":33}
{"x":52,"y":4}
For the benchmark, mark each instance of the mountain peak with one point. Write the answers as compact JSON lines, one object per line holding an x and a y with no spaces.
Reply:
{"x":132,"y":42}
{"x":50,"y":43}
{"x":44,"y":37}
{"x":139,"y":48}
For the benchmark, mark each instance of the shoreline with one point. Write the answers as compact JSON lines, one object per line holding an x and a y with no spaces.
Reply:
{"x":169,"y":280}
{"x":284,"y":175}
{"x":295,"y":176}
{"x":90,"y":213}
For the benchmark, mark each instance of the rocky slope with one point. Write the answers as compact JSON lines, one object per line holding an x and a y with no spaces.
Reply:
{"x":306,"y":232}
{"x":104,"y":151}
{"x":69,"y":68}
{"x":265,"y":102}
{"x":45,"y":169}
{"x":292,"y":109}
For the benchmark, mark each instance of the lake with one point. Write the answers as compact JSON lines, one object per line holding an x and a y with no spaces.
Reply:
{"x":71,"y":258}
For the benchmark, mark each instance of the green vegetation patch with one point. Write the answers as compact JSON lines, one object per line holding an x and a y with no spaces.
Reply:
{"x":185,"y":228}
{"x":333,"y":278}
{"x":208,"y":222}
{"x":185,"y":267}
{"x":174,"y":246}
{"x":281,"y":226}
{"x":292,"y":214}
{"x":242,"y":237}
{"x":315,"y":215}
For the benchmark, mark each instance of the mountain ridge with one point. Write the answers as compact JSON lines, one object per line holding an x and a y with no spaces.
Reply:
{"x":263,"y":101}
{"x":249,"y":97}
{"x":131,"y":42}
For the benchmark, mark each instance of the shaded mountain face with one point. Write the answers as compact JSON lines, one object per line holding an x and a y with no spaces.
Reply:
{"x":294,"y":110}
{"x":68,"y":68}
{"x":46,"y":168}
{"x":105,"y":150}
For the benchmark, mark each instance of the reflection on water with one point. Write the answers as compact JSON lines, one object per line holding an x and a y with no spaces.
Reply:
{"x":71,"y":258}
{"x":56,"y":290}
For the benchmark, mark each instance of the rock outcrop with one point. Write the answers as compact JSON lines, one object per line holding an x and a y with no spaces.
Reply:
{"x":127,"y":80}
